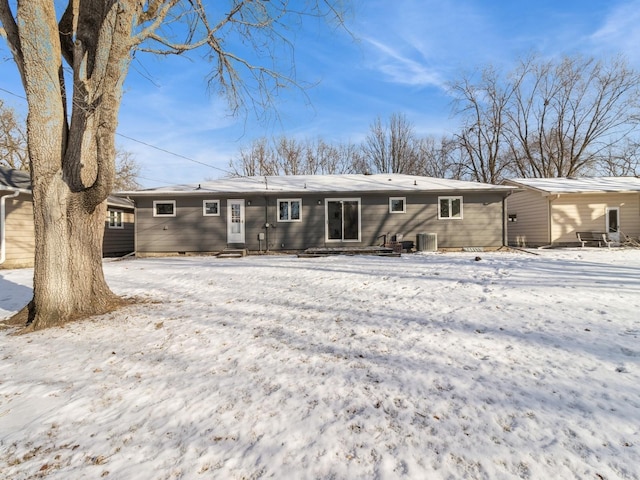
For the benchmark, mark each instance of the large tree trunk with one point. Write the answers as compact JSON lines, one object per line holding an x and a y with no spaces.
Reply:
{"x":72,"y":157}
{"x":68,"y":281}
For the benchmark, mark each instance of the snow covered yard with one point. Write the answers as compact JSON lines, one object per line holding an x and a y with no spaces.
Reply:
{"x":426,"y":366}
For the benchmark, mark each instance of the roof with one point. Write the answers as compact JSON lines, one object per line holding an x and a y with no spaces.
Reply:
{"x":322,"y":184}
{"x":11,"y":179}
{"x":18,"y":180}
{"x":114,"y":201}
{"x":580,"y":185}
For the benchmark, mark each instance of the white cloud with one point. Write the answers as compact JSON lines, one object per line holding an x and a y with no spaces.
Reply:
{"x":402,"y":69}
{"x":421,"y":43}
{"x":620,"y":31}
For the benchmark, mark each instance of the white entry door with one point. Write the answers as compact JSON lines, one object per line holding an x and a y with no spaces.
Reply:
{"x":613,"y":223}
{"x":235,"y":221}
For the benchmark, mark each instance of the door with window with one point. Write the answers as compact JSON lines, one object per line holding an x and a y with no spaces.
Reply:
{"x":613,"y":223}
{"x":235,"y":221}
{"x":343,"y":219}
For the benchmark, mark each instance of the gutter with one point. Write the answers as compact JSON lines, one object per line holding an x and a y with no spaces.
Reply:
{"x":3,"y":249}
{"x":135,"y":228}
{"x":505,"y":223}
{"x":551,"y":198}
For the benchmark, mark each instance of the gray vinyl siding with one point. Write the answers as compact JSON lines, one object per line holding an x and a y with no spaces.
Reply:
{"x":480,"y":226}
{"x":19,"y":234}
{"x":119,"y":241}
{"x":190,"y":231}
{"x":308,"y":232}
{"x":532,"y":225}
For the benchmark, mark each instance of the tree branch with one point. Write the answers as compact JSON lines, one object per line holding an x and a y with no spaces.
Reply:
{"x":67,"y":33}
{"x":9,"y":31}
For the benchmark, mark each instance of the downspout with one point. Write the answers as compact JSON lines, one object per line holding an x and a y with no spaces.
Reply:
{"x":3,"y":249}
{"x":551,"y":198}
{"x":135,"y":227}
{"x":266,"y":220}
{"x":505,"y":223}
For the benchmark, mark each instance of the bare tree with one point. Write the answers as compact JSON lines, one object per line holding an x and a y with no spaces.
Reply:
{"x":623,"y":160}
{"x":567,"y":117}
{"x":548,"y":118}
{"x":256,"y":159}
{"x":13,"y":140}
{"x":440,"y":158}
{"x":333,"y":159}
{"x":350,"y":159}
{"x":291,"y":156}
{"x":483,"y":106}
{"x":288,"y":156}
{"x":127,"y":171}
{"x":392,"y":147}
{"x":72,"y":152}
{"x":13,"y":151}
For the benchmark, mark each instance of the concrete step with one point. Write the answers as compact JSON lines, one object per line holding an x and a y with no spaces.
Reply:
{"x":373,"y":250}
{"x":233,"y":253}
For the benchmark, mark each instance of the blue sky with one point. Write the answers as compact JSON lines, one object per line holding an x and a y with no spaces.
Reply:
{"x":399,"y":60}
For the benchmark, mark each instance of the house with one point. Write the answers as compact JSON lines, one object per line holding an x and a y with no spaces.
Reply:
{"x":302,"y":211}
{"x":550,"y":211}
{"x":119,"y":228}
{"x":17,"y":239}
{"x":17,"y":243}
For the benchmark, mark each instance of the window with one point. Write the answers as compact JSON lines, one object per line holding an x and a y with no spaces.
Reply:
{"x":513,"y":217}
{"x":211,"y":208}
{"x":289,"y":210}
{"x":450,"y":207}
{"x":397,"y":205}
{"x":114,"y":217}
{"x":164,"y":208}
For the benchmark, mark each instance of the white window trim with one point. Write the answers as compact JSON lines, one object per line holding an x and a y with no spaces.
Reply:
{"x":119,"y":215}
{"x":155,"y":211}
{"x":289,"y":201}
{"x":450,"y":209}
{"x":404,"y":204}
{"x":204,"y":208}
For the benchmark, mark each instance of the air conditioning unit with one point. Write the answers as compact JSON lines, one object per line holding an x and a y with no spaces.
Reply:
{"x":427,"y":242}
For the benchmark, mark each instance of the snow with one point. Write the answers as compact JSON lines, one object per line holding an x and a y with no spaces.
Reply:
{"x":431,"y":365}
{"x":580,"y":184}
{"x":347,"y":183}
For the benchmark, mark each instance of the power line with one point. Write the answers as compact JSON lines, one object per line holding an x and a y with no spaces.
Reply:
{"x":172,"y":153}
{"x":179,"y":155}
{"x":184,"y":157}
{"x":14,"y":94}
{"x":155,"y":180}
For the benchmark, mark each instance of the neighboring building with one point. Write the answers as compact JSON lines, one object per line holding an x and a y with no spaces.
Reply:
{"x":17,"y":242}
{"x":299,"y":212}
{"x":119,"y":228}
{"x":17,"y":239}
{"x":549,"y":211}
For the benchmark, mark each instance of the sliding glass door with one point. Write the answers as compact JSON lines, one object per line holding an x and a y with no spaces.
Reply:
{"x":343,"y":219}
